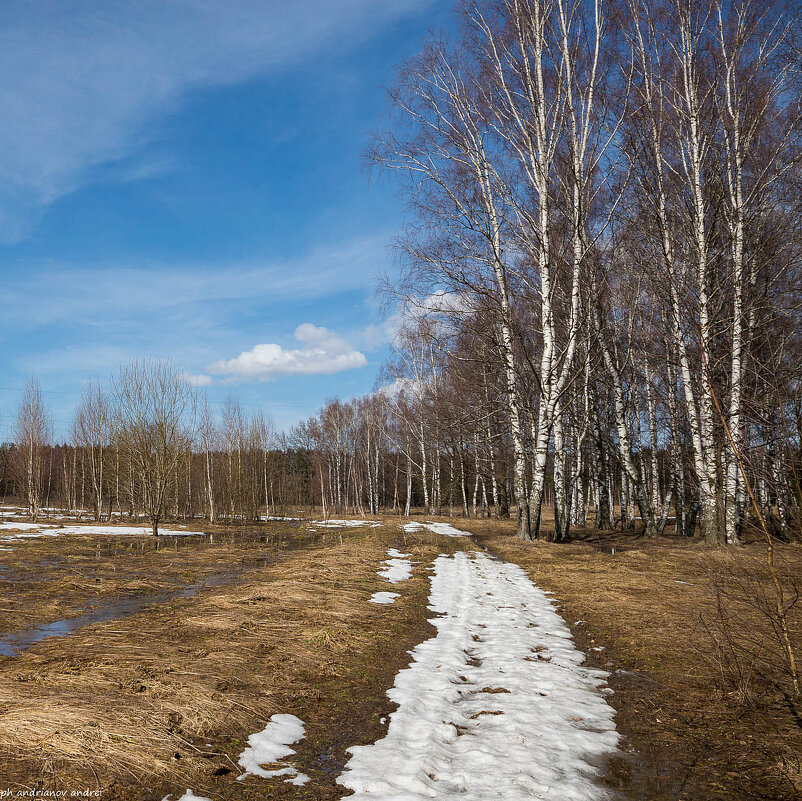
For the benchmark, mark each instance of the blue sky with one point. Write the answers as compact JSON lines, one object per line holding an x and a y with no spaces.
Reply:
{"x":183,"y":179}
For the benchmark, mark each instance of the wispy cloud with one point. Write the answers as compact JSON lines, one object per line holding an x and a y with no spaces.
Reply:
{"x":70,"y":321}
{"x":198,"y":380}
{"x":82,"y":82}
{"x":322,"y":353}
{"x":113,"y":296}
{"x":439,"y":308}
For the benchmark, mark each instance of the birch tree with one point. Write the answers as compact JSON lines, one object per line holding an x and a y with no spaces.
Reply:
{"x":92,"y":431}
{"x":153,"y":428}
{"x":32,"y":433}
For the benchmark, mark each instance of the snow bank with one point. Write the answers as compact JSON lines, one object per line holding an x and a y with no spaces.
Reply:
{"x":497,"y":705}
{"x":397,"y":567}
{"x":271,"y":745}
{"x":383,"y":597}
{"x":438,"y":528}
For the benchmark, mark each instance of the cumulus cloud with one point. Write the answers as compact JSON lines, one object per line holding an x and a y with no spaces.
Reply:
{"x":322,"y":353}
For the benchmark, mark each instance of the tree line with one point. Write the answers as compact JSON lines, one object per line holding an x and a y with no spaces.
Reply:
{"x":597,"y":309}
{"x":148,"y":445}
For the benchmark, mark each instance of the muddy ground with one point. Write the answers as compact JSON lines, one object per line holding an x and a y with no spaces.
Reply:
{"x":206,"y":638}
{"x":164,"y":699}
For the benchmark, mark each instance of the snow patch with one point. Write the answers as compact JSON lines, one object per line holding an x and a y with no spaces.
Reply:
{"x":23,"y":526}
{"x":272,"y":745}
{"x":497,"y":705}
{"x":383,"y":597}
{"x":346,"y":523}
{"x":44,"y":530}
{"x":438,"y":528}
{"x":188,"y":796}
{"x":107,"y":531}
{"x":397,"y":567}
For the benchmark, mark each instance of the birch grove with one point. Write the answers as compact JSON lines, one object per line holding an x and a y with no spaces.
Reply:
{"x":644,"y":177}
{"x":32,"y":440}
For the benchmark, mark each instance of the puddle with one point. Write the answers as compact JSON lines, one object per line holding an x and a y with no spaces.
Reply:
{"x":27,"y":571}
{"x":15,"y":642}
{"x":12,"y":644}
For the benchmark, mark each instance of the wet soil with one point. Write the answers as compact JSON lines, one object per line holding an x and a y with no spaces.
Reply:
{"x":51,"y":579}
{"x":114,"y":607}
{"x":166,"y":697}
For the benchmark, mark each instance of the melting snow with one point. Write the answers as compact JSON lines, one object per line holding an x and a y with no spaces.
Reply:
{"x":188,"y":796}
{"x":383,"y":597}
{"x":23,"y":526}
{"x":497,"y":705}
{"x":397,"y":567}
{"x":39,"y":530}
{"x":31,"y":536}
{"x":272,"y":745}
{"x":346,"y":523}
{"x":127,"y":530}
{"x":438,"y":528}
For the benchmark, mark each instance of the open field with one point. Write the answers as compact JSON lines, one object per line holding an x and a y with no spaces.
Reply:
{"x":207,"y":637}
{"x":151,"y":703}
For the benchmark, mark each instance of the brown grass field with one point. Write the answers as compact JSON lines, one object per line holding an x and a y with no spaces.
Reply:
{"x":262,"y":620}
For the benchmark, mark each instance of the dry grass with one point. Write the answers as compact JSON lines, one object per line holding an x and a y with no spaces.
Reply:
{"x":165,"y":699}
{"x":151,"y":704}
{"x":652,"y":606}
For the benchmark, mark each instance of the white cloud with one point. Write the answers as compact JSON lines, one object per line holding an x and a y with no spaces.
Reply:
{"x":439,"y":303}
{"x":110,"y":295}
{"x":401,"y":386}
{"x":323,"y":353}
{"x":71,"y":321}
{"x":197,"y":380}
{"x":82,"y":82}
{"x":439,"y":307}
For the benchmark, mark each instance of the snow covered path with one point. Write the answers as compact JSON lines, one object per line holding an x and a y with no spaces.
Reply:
{"x":497,"y":705}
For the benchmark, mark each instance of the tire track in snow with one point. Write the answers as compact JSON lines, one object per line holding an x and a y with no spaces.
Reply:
{"x":497,"y":705}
